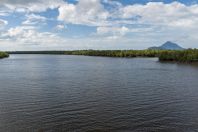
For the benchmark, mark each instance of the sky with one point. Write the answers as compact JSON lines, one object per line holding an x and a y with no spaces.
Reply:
{"x":96,"y":24}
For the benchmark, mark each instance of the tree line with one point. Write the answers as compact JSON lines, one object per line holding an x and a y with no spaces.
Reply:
{"x":189,"y":55}
{"x":3,"y":55}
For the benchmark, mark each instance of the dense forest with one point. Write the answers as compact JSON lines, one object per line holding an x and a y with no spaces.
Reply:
{"x":189,"y":55}
{"x":3,"y":55}
{"x":116,"y":53}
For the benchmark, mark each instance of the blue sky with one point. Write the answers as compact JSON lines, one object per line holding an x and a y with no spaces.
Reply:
{"x":97,"y":24}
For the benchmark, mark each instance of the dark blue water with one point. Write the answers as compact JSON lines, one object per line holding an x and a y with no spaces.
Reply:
{"x":54,"y":93}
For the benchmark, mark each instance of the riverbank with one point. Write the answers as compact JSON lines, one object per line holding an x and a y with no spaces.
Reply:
{"x":187,"y":56}
{"x":116,"y":53}
{"x":3,"y":55}
{"x":190,"y":55}
{"x":107,"y":53}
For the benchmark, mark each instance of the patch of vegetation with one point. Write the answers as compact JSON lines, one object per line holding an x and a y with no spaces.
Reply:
{"x":190,"y":55}
{"x":116,"y":53}
{"x":3,"y":55}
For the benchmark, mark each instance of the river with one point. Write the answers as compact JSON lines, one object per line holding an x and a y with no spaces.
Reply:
{"x":53,"y":93}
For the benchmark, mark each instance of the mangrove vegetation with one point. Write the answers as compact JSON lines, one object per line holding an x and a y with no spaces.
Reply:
{"x":189,"y":55}
{"x":3,"y":55}
{"x":116,"y":53}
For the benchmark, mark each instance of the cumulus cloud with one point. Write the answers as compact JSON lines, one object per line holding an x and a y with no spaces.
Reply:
{"x":85,"y":12}
{"x":28,"y":35}
{"x":153,"y":22}
{"x":157,"y":13}
{"x":93,"y":13}
{"x":31,"y":5}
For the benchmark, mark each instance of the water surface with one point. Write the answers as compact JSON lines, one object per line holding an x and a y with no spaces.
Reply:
{"x":80,"y":93}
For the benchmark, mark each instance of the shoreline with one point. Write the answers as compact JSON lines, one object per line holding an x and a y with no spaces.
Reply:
{"x":3,"y":55}
{"x":182,"y":56}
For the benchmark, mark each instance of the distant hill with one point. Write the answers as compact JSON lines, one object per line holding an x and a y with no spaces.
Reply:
{"x":168,"y":46}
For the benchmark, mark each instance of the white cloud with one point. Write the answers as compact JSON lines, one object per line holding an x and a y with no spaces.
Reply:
{"x":3,"y":23}
{"x":61,"y":27}
{"x":28,"y":38}
{"x":32,"y":19}
{"x":112,"y":30}
{"x":31,"y":5}
{"x":3,"y":13}
{"x":93,"y":13}
{"x":20,"y":32}
{"x":174,"y":14}
{"x":85,"y":12}
{"x":149,"y":24}
{"x":28,"y":35}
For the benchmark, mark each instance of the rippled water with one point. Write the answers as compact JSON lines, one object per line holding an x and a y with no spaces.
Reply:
{"x":77,"y":93}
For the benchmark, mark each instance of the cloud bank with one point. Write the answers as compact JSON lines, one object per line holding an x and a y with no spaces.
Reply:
{"x":114,"y":25}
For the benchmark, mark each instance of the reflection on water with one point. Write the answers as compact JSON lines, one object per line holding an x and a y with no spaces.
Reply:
{"x":79,"y":93}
